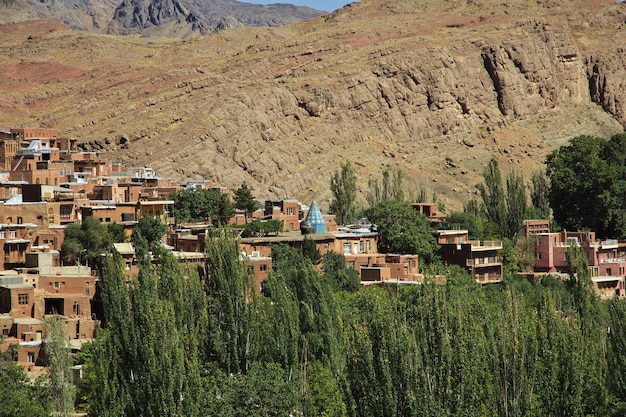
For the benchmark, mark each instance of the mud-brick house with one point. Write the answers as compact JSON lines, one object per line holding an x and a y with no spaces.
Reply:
{"x":161,"y":209}
{"x":479,"y":259}
{"x":15,"y":242}
{"x":385,"y":268}
{"x":287,"y":211}
{"x":259,"y":267}
{"x":431,"y":211}
{"x":109,"y":211}
{"x":606,"y":259}
{"x":66,"y":290}
{"x":17,"y":299}
{"x":126,"y":251}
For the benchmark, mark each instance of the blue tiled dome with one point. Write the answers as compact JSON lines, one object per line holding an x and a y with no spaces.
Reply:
{"x":315,"y":219}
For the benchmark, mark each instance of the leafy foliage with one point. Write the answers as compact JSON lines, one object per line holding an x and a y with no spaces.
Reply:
{"x":59,"y":360}
{"x":403,"y":230}
{"x":85,"y":243}
{"x":149,"y":228}
{"x":262,"y":228}
{"x":505,"y":208}
{"x":587,"y":185}
{"x":516,"y":348}
{"x":390,"y":189}
{"x":340,"y":277}
{"x":244,"y":200}
{"x":198,"y":205}
{"x":343,"y":187}
{"x":18,"y":396}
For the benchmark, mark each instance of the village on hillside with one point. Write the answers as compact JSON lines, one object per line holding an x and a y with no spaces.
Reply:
{"x":46,"y":183}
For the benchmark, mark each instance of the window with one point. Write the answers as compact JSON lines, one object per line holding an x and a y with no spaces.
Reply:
{"x":56,"y":284}
{"x":69,"y":171}
{"x":22,"y":299}
{"x":12,"y":234}
{"x":368,"y":245}
{"x":290,"y":211}
{"x":31,"y":357}
{"x":61,"y":172}
{"x":263,"y":267}
{"x":3,"y":234}
{"x":608,"y":272}
{"x":361,"y":246}
{"x":346,"y":248}
{"x":65,"y":211}
{"x":20,"y":220}
{"x":538,"y":256}
{"x":87,"y":291}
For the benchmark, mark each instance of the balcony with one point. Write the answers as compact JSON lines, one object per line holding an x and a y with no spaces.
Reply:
{"x":618,"y":260}
{"x":481,"y":262}
{"x":486,"y":245}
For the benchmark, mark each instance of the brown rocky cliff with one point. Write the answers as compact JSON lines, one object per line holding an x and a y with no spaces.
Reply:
{"x":382,"y":83}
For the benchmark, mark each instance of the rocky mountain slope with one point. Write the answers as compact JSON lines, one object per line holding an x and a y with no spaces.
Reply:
{"x":432,"y":87}
{"x":175,"y":18}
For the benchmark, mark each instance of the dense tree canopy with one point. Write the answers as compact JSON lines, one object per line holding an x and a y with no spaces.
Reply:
{"x":588,"y":184}
{"x":199,"y":205}
{"x":546,"y":348}
{"x":86,"y":242}
{"x":18,"y":396}
{"x":403,"y":230}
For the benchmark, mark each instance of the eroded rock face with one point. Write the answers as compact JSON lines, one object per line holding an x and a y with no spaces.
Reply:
{"x":434,"y":94}
{"x":607,"y":82}
{"x":132,"y":16}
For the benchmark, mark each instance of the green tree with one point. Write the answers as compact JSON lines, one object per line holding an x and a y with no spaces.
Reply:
{"x":338,"y":274}
{"x":516,"y":204}
{"x":116,"y":232}
{"x":401,"y":229}
{"x":18,"y":396}
{"x":244,"y":200}
{"x":228,"y":287}
{"x":477,"y":227}
{"x":264,"y":391}
{"x":310,"y":250}
{"x":85,"y":243}
{"x":506,"y":208}
{"x":391,"y":188}
{"x":59,"y":360}
{"x":149,"y":228}
{"x":133,"y":370}
{"x":539,"y":196}
{"x":343,"y":187}
{"x":587,"y":184}
{"x":198,"y":205}
{"x":492,"y":194}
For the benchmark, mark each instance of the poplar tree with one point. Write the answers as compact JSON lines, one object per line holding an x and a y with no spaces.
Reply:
{"x":59,"y":357}
{"x":228,"y":287}
{"x":343,"y":188}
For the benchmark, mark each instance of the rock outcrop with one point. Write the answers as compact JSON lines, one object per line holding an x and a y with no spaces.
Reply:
{"x":166,"y":18}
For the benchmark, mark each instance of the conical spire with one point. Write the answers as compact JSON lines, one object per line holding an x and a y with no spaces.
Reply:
{"x":315,"y":219}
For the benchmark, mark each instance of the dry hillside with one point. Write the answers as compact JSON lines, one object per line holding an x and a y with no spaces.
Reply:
{"x":432,"y":87}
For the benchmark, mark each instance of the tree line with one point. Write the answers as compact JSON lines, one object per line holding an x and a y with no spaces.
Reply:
{"x":185,"y":341}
